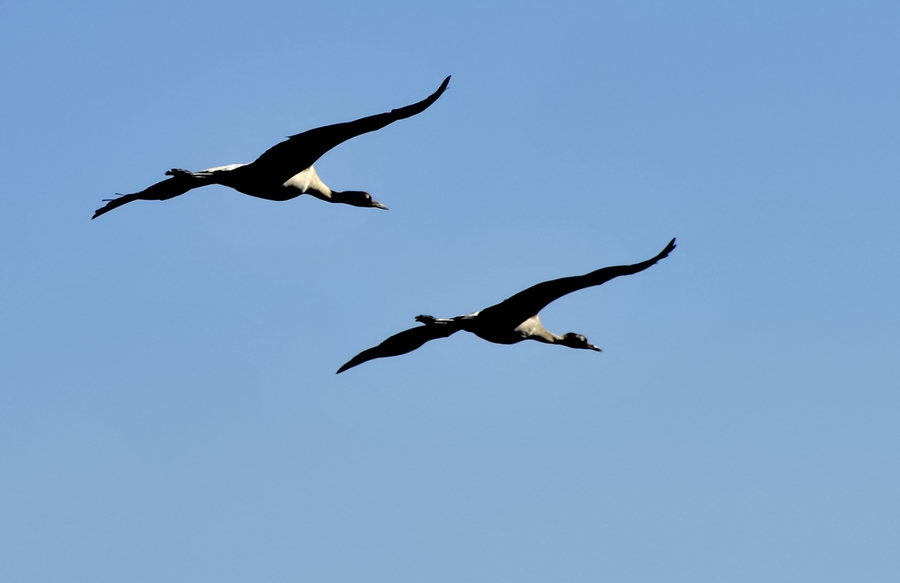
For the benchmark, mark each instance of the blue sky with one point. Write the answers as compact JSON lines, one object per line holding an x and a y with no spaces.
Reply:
{"x":169,"y":409}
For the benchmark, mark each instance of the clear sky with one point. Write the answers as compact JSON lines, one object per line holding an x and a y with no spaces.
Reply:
{"x":169,"y":409}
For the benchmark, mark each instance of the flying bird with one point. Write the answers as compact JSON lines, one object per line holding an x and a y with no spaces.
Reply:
{"x":513,"y":320}
{"x":285,"y":170}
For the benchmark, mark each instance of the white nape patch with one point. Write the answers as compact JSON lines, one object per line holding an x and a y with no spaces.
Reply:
{"x":306,"y":181}
{"x":223,"y":168}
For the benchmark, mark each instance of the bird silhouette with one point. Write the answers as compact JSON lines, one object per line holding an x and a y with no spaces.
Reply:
{"x":285,"y":170}
{"x":513,"y":320}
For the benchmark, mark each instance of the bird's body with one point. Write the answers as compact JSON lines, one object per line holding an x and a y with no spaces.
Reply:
{"x":285,"y":170}
{"x":511,"y":321}
{"x":492,"y":330}
{"x":304,"y":182}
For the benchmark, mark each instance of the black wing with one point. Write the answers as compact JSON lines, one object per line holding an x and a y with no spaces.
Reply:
{"x":300,"y":151}
{"x":404,"y":342}
{"x":527,"y":303}
{"x":164,"y":190}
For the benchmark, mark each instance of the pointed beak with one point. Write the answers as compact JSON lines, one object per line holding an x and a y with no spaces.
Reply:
{"x":592,"y":347}
{"x":378,"y":205}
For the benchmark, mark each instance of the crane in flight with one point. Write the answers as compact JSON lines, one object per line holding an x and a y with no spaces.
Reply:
{"x":285,"y":170}
{"x":513,"y":320}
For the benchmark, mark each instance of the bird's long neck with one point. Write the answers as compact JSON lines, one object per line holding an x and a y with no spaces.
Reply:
{"x":341,"y":197}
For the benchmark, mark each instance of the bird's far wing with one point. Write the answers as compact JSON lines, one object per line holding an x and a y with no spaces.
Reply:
{"x":404,"y":342}
{"x":163,"y":190}
{"x":525,"y":304}
{"x":300,"y":151}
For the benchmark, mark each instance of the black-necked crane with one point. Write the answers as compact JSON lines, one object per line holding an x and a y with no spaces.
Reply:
{"x":285,"y":170}
{"x":513,"y":320}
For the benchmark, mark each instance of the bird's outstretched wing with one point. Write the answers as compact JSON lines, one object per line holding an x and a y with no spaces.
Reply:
{"x":164,"y":190}
{"x":527,"y":303}
{"x":404,"y":342}
{"x":300,"y":151}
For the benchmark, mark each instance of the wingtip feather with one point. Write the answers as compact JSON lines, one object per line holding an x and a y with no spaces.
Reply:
{"x":669,"y":248}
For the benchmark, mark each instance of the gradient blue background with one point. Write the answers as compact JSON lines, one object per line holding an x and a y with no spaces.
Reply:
{"x":169,"y":409}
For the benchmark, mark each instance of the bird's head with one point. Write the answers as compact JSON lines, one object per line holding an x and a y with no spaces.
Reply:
{"x":573,"y":340}
{"x":358,"y":198}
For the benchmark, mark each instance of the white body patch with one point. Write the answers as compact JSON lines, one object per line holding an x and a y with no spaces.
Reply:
{"x":530,"y":327}
{"x":306,"y":181}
